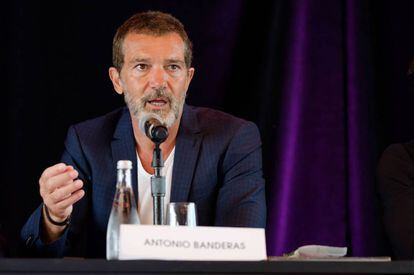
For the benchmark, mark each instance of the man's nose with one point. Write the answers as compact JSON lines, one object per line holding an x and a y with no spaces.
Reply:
{"x":158,"y":78}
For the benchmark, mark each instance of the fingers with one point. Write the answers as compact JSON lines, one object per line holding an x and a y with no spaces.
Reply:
{"x":55,"y":177}
{"x":54,"y":170}
{"x":60,"y":189}
{"x":60,"y":180}
{"x":72,"y":199}
{"x":62,"y":193}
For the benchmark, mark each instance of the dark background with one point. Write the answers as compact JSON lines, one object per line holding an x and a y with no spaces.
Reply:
{"x":55,"y":60}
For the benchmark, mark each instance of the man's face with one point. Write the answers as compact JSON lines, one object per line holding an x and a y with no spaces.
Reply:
{"x":154,"y":77}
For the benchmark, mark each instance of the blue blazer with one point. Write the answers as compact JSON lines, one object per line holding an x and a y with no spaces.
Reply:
{"x":217,"y":165}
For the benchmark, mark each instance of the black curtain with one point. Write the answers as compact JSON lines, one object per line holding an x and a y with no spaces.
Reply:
{"x":56,"y":56}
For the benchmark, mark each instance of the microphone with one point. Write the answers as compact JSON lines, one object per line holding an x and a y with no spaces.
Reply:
{"x":153,"y":128}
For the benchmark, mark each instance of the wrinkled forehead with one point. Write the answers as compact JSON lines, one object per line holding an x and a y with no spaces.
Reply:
{"x":147,"y":34}
{"x":140,"y":45}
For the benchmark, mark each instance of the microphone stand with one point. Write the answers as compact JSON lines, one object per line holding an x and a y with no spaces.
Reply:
{"x":158,"y":186}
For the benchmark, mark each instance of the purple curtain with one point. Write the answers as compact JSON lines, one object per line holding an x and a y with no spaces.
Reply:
{"x":322,"y":188}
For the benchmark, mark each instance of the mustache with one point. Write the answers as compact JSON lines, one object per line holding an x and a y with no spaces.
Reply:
{"x":157,"y":93}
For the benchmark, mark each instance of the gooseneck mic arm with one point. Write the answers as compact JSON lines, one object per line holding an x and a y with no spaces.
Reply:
{"x":158,"y":186}
{"x":155,"y":130}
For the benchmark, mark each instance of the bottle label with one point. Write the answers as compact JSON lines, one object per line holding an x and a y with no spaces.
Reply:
{"x":122,"y":199}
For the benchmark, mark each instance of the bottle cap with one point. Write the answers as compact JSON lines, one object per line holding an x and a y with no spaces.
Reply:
{"x":124,"y":164}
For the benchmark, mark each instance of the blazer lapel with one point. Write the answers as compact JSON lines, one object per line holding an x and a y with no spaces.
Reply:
{"x":186,"y":152}
{"x":123,"y":147}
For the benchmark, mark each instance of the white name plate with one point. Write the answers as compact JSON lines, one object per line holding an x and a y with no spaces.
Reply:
{"x":201,"y":243}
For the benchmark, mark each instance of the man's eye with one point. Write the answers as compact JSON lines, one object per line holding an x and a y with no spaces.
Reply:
{"x":173,"y":67}
{"x":142,"y":67}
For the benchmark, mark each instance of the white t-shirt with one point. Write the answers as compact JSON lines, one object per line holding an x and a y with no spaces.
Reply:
{"x":144,"y":188}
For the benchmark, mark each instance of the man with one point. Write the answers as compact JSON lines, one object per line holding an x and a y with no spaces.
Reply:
{"x":396,"y":188}
{"x":216,"y":157}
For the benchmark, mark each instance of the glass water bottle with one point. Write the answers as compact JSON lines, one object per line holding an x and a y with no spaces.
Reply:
{"x":124,"y":209}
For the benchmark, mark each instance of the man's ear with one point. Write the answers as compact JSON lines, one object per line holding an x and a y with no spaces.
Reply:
{"x":190,"y":74}
{"x":115,"y":77}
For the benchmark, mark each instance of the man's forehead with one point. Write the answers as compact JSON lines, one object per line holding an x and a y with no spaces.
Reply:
{"x":145,"y":46}
{"x":171,"y":37}
{"x":143,"y":58}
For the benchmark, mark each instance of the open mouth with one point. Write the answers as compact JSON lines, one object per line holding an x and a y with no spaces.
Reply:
{"x":158,"y":102}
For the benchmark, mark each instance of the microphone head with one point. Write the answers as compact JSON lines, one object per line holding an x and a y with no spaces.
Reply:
{"x":158,"y":133}
{"x":151,"y":125}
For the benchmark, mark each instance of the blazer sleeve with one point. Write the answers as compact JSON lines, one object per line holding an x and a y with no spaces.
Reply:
{"x":396,"y":188}
{"x":241,"y":199}
{"x":69,"y":244}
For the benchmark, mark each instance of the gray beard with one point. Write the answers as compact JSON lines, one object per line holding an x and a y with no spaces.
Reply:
{"x":137,"y":106}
